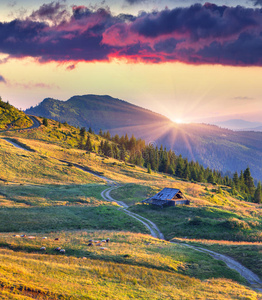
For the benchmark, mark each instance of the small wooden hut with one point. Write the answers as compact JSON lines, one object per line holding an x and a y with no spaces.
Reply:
{"x":167,"y":197}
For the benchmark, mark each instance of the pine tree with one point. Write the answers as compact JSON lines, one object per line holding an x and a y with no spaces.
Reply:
{"x":82,"y":131}
{"x":149,"y":168}
{"x":236,"y":180}
{"x":258,"y":194}
{"x":45,"y":122}
{"x":249,"y":182}
{"x":123,"y":152}
{"x":88,"y":146}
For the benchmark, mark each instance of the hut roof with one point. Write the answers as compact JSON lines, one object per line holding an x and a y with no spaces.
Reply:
{"x":166,"y":194}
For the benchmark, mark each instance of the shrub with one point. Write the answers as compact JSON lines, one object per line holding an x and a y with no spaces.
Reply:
{"x":196,"y":221}
{"x":235,"y":223}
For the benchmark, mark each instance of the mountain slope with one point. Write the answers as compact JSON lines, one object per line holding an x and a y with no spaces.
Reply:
{"x":96,"y":111}
{"x":238,"y":124}
{"x":212,"y":146}
{"x":12,"y":118}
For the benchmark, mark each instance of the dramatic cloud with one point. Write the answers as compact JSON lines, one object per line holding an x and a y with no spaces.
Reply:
{"x":257,"y":2}
{"x":198,"y":34}
{"x":135,"y":1}
{"x":54,"y":11}
{"x":2,"y":79}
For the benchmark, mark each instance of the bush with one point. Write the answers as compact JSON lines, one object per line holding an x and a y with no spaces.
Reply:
{"x":196,"y":221}
{"x":235,"y":223}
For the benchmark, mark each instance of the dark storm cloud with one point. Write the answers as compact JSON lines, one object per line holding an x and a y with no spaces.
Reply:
{"x":51,"y":11}
{"x":135,"y":1}
{"x":2,"y":79}
{"x":197,"y":34}
{"x":257,"y":2}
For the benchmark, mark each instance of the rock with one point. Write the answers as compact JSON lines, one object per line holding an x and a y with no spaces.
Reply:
{"x":31,"y":237}
{"x":103,"y":248}
{"x":44,"y":238}
{"x":58,"y":249}
{"x":43,"y":248}
{"x":23,"y":235}
{"x":17,"y":236}
{"x":56,"y":239}
{"x":99,"y":244}
{"x":90,"y":244}
{"x":62,"y":251}
{"x":90,"y":240}
{"x":84,"y":257}
{"x":103,"y":241}
{"x":107,"y":240}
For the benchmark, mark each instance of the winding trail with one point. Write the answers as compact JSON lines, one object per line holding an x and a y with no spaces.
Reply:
{"x":155,"y":232}
{"x":36,"y":124}
{"x":254,"y":281}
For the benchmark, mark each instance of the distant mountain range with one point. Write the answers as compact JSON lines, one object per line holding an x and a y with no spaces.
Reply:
{"x":212,"y":146}
{"x":237,"y":124}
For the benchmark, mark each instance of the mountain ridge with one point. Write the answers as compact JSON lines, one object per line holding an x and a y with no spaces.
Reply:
{"x":212,"y":146}
{"x":240,"y":125}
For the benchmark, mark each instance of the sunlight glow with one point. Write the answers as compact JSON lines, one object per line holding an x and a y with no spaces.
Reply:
{"x":178,"y":121}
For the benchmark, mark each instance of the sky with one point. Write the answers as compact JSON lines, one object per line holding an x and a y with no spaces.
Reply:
{"x":190,"y":61}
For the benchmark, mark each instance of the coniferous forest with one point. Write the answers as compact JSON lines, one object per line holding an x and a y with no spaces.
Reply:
{"x":154,"y":158}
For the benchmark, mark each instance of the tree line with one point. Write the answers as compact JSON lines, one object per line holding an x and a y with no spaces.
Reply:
{"x":135,"y":151}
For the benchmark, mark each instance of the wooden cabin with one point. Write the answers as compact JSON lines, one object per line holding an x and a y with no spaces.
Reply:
{"x":167,"y":197}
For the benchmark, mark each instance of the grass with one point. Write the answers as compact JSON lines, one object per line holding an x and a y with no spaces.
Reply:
{"x":40,"y":195}
{"x":202,"y":223}
{"x":46,"y":219}
{"x":248,"y":254}
{"x":133,"y":193}
{"x":50,"y":195}
{"x":32,"y":167}
{"x":132,"y":266}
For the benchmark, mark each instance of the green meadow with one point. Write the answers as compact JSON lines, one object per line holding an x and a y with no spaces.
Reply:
{"x":44,"y":194}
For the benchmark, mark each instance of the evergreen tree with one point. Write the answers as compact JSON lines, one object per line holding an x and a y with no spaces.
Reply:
{"x":123,"y":153}
{"x":258,"y":194}
{"x":249,"y":182}
{"x":180,"y":166}
{"x":210,"y":178}
{"x":108,"y":135}
{"x":90,"y":130}
{"x":149,"y":168}
{"x":100,"y":132}
{"x":45,"y":122}
{"x":82,"y":132}
{"x":88,"y":146}
{"x":236,"y":180}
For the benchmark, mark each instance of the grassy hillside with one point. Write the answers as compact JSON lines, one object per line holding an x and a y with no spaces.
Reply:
{"x":41,"y":196}
{"x":96,"y":111}
{"x":214,"y":147}
{"x":130,"y":266}
{"x":12,"y":118}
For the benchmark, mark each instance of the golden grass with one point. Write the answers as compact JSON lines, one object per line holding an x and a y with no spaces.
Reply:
{"x":133,"y":266}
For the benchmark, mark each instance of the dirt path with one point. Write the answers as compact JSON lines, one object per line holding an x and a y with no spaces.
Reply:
{"x":251,"y":277}
{"x":155,"y":232}
{"x":36,"y":124}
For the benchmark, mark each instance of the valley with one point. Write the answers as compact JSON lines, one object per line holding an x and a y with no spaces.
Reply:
{"x":56,"y":191}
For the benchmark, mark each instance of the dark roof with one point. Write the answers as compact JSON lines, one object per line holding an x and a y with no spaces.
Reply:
{"x":166,"y":194}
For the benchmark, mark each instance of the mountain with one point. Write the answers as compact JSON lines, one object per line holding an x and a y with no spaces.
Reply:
{"x":212,"y":146}
{"x":97,"y":112}
{"x":12,"y":118}
{"x":238,"y":124}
